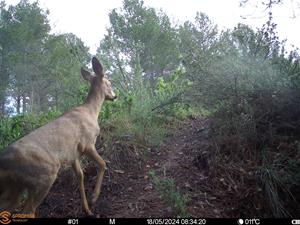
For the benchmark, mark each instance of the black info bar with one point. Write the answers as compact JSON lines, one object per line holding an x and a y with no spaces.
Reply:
{"x":152,"y":221}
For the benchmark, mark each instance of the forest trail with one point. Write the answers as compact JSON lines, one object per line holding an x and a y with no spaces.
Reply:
{"x":132,"y":193}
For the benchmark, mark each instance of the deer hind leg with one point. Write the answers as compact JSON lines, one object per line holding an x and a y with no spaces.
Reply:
{"x":79,"y":173}
{"x":9,"y":200}
{"x":93,"y":154}
{"x":37,"y":192}
{"x":35,"y":198}
{"x":11,"y":197}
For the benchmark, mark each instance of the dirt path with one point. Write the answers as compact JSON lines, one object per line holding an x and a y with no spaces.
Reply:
{"x":128,"y":193}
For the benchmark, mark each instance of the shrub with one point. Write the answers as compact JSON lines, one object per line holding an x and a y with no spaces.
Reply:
{"x":13,"y":128}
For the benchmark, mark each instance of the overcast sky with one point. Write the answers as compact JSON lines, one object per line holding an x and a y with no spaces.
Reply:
{"x":88,"y":19}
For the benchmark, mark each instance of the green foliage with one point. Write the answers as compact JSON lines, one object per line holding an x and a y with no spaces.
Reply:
{"x":141,"y":39}
{"x":13,"y":128}
{"x":133,"y":114}
{"x":168,"y":191}
{"x":171,"y":95}
{"x":64,"y":55}
{"x":146,"y":113}
{"x":38,"y":69}
{"x":247,"y":83}
{"x":141,"y":55}
{"x":253,"y":105}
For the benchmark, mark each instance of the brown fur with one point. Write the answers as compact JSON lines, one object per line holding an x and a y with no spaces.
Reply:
{"x":32,"y":162}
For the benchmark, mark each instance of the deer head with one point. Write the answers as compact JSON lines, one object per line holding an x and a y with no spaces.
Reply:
{"x":99,"y":80}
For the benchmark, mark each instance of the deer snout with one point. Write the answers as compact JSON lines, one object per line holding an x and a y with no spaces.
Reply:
{"x":111,"y":96}
{"x":114,"y":96}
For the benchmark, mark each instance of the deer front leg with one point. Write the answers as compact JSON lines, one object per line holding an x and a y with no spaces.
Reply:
{"x":93,"y":154}
{"x":78,"y":171}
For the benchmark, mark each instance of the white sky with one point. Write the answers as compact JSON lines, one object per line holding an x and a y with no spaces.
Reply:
{"x":88,"y":19}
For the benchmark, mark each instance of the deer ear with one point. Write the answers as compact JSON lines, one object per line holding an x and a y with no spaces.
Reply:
{"x":97,"y":67}
{"x":86,"y":74}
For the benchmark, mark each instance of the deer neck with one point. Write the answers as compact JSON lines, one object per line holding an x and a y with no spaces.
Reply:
{"x":94,"y":100}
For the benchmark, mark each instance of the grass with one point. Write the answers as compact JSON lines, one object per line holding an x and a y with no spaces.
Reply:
{"x":168,"y":192}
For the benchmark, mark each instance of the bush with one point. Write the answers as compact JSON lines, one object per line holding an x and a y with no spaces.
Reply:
{"x":264,"y":135}
{"x":251,"y":89}
{"x":145,"y":114}
{"x":13,"y":128}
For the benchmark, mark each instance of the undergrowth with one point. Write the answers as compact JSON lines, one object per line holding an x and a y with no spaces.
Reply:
{"x":259,"y":148}
{"x":169,"y":193}
{"x":144,"y":116}
{"x":13,"y":128}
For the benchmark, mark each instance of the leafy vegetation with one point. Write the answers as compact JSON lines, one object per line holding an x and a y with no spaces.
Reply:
{"x":173,"y":198}
{"x":244,"y":80}
{"x":16,"y":127}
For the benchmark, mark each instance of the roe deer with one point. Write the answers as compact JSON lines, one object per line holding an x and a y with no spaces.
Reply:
{"x":32,"y":162}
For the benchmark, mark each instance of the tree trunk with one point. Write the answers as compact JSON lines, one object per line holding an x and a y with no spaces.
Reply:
{"x":2,"y":107}
{"x":24,"y":108}
{"x":56,"y":98}
{"x":31,"y":106}
{"x":18,"y":103}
